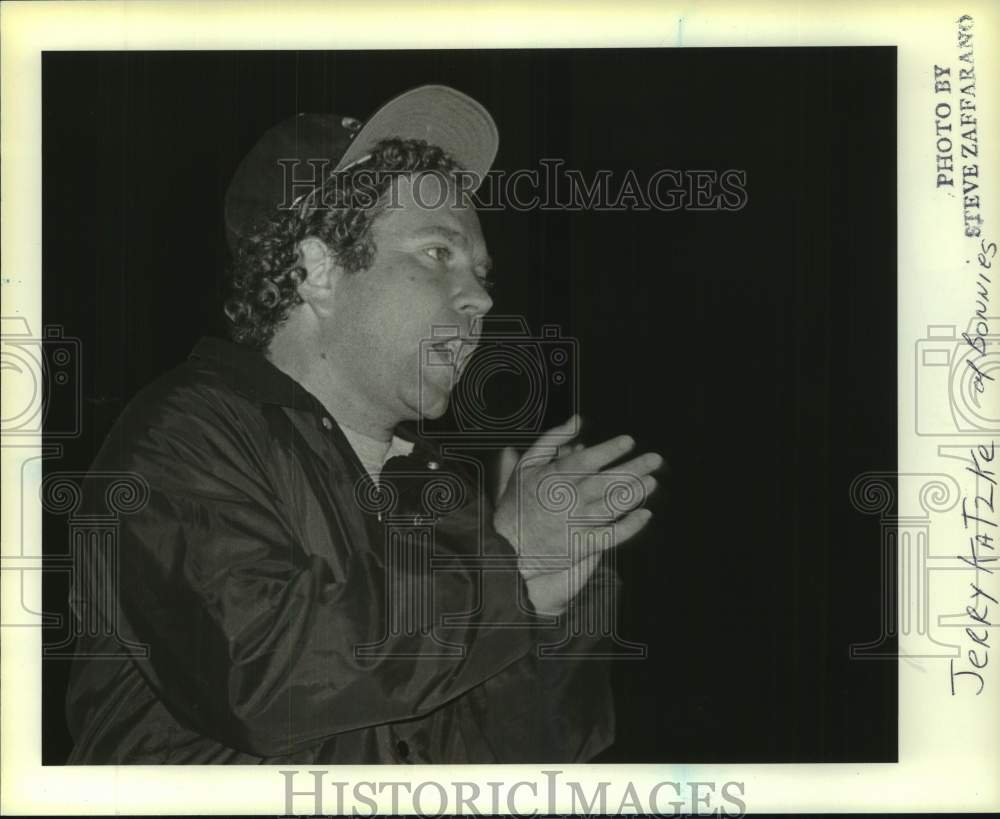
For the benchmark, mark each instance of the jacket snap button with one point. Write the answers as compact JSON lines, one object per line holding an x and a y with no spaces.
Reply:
{"x":327,"y":423}
{"x":432,"y":465}
{"x":403,"y":748}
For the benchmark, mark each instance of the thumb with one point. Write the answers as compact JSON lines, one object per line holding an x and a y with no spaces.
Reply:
{"x":505,"y":468}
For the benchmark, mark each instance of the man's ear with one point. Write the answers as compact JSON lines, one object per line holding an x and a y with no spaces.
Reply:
{"x":322,"y":273}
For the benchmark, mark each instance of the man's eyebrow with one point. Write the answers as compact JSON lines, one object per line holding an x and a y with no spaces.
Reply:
{"x":455,"y":236}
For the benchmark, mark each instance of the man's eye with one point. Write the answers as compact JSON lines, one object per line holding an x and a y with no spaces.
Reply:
{"x":439,"y":253}
{"x":486,"y":282}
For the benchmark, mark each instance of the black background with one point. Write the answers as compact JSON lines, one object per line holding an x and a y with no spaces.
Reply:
{"x":756,"y":350}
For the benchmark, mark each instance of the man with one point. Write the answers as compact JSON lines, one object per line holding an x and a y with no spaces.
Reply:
{"x":281,"y":608}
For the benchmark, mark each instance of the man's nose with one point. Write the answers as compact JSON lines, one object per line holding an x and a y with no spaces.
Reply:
{"x":473,"y":299}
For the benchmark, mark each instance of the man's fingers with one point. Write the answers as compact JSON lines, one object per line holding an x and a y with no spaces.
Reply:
{"x":630,"y":525}
{"x":569,"y":449}
{"x":619,"y":482}
{"x":594,"y":458}
{"x":549,"y":442}
{"x":642,"y":465}
{"x":608,"y":496}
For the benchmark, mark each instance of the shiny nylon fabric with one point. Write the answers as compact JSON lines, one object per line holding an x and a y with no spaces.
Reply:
{"x":252,"y":573}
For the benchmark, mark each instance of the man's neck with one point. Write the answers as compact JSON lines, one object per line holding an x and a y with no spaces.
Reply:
{"x":316,"y":373}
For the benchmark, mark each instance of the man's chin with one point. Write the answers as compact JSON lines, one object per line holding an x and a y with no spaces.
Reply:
{"x":434,"y":404}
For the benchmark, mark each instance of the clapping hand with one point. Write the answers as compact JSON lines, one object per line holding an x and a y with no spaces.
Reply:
{"x":539,"y":533}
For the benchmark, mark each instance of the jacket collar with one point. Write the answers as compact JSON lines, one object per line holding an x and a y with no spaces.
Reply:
{"x":248,"y":372}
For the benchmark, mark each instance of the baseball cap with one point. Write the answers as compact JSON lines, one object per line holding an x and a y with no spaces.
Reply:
{"x":437,"y":114}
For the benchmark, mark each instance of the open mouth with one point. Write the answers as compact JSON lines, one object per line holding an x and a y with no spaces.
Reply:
{"x":455,"y":351}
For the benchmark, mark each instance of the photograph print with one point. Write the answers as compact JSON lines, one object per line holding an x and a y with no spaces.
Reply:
{"x":468,"y":407}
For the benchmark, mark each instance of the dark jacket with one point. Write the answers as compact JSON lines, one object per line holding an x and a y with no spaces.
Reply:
{"x":277,"y":607}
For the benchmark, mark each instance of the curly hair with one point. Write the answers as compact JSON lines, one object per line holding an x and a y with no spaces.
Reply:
{"x":267,"y":272}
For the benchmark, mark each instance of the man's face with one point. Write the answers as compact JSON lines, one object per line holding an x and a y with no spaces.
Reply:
{"x":428,"y":272}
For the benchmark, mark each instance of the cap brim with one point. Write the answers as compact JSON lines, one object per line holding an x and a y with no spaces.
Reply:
{"x":440,"y":116}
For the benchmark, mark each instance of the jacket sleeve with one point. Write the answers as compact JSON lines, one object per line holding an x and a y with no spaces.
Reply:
{"x":253,"y":640}
{"x":570,"y":717}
